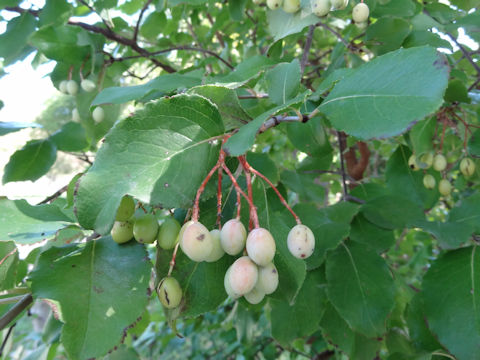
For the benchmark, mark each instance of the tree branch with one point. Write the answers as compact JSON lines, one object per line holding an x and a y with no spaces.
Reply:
{"x":306,"y":49}
{"x":54,"y":195}
{"x":137,"y":25}
{"x":342,"y":144}
{"x":15,"y":311}
{"x":465,"y":53}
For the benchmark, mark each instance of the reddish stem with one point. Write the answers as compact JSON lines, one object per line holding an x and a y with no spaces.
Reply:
{"x":172,"y":262}
{"x":253,"y":210}
{"x":247,"y":167}
{"x":201,"y":189}
{"x":239,"y":204}
{"x":248,"y":177}
{"x":219,"y":199}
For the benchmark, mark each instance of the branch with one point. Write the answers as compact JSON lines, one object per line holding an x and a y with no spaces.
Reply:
{"x":83,"y":2}
{"x":306,"y":49}
{"x":15,"y":311}
{"x":465,"y":53}
{"x":342,"y":144}
{"x":277,"y":120}
{"x":4,"y":342}
{"x":334,"y":32}
{"x":54,"y":195}
{"x":137,"y":25}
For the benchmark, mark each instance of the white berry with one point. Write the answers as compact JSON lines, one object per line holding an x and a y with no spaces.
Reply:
{"x":321,"y":7}
{"x":261,"y":246}
{"x":255,"y":296}
{"x":88,"y":85}
{"x":301,"y":241}
{"x":267,"y":278}
{"x":360,"y":13}
{"x":98,"y":114}
{"x":243,"y":275}
{"x":217,"y":251}
{"x":72,"y":87}
{"x":233,"y":237}
{"x":196,"y":242}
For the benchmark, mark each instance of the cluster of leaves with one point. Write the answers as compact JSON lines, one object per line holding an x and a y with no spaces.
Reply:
{"x":328,"y":112}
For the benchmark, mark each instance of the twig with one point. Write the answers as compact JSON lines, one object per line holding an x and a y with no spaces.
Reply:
{"x":4,"y":342}
{"x":11,"y":300}
{"x":334,"y":32}
{"x":140,"y":16}
{"x":341,"y":145}
{"x":9,"y":254}
{"x":95,"y":12}
{"x":219,"y":198}
{"x":54,"y":195}
{"x":465,"y":52}
{"x":306,"y":49}
{"x":15,"y":311}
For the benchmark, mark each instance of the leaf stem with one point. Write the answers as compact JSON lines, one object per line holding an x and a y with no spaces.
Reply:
{"x":11,"y":314}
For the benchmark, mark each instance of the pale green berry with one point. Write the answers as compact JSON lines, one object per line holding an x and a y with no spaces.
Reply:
{"x":412,"y":163}
{"x":444,"y":187}
{"x":339,"y":4}
{"x":360,"y":12}
{"x":301,"y":241}
{"x":145,"y":229}
{"x":261,"y":246}
{"x":75,"y":115}
{"x":217,"y":251}
{"x":125,"y":209}
{"x":361,"y":25}
{"x":63,"y":86}
{"x":122,"y":231}
{"x":228,"y":287}
{"x":169,"y":292}
{"x":168,"y":234}
{"x":98,"y":114}
{"x":425,"y":161}
{"x":321,"y":7}
{"x":257,"y":2}
{"x":429,"y":181}
{"x":196,"y":242}
{"x":255,"y":296}
{"x":267,"y":278}
{"x":88,"y":85}
{"x":243,"y":275}
{"x":274,"y":4}
{"x":467,"y":167}
{"x":439,"y":162}
{"x":233,"y":237}
{"x":72,"y":87}
{"x":291,"y":6}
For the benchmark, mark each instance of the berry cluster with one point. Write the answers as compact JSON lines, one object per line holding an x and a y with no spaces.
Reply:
{"x":439,"y":163}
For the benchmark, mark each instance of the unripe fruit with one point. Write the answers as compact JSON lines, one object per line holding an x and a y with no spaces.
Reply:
{"x":145,"y":229}
{"x":439,"y":162}
{"x":360,"y":13}
{"x":361,"y":25}
{"x":261,"y":246}
{"x":72,"y":87}
{"x":291,"y":6}
{"x":63,"y":86}
{"x":321,"y":7}
{"x":412,"y":163}
{"x":228,"y":287}
{"x":168,"y":234}
{"x":257,"y":2}
{"x":267,"y":279}
{"x":467,"y":167}
{"x":196,"y":242}
{"x":429,"y":181}
{"x":122,"y":231}
{"x":243,"y":275}
{"x":98,"y":114}
{"x":301,"y":241}
{"x":255,"y":296}
{"x":125,"y":209}
{"x":274,"y":4}
{"x":169,"y":292}
{"x":425,"y":161}
{"x":444,"y":187}
{"x":88,"y":85}
{"x":75,"y":115}
{"x":217,"y":251}
{"x":233,"y":237}
{"x":339,"y":4}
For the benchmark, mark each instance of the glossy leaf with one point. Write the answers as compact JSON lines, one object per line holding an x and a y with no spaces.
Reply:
{"x":283,"y":81}
{"x":282,"y":24}
{"x":8,"y":265}
{"x":71,"y":137}
{"x":8,"y":127}
{"x":14,"y":40}
{"x":310,"y":137}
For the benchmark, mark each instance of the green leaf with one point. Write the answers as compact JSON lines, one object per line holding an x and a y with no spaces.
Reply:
{"x":161,"y":85}
{"x":291,"y":321}
{"x":457,"y":92}
{"x":14,"y":40}
{"x":422,"y":135}
{"x":401,"y":8}
{"x":160,"y":156}
{"x":355,"y":345}
{"x":365,"y":232}
{"x":27,"y":224}
{"x":360,"y":287}
{"x":467,"y":212}
{"x":55,"y":12}
{"x":110,"y":287}
{"x":387,"y":34}
{"x":243,"y":140}
{"x":474,"y":143}
{"x":8,"y":264}
{"x":283,"y":81}
{"x":153,"y":25}
{"x":71,"y":137}
{"x":384,"y":96}
{"x":123,"y":353}
{"x":282,"y":24}
{"x":424,"y":37}
{"x":245,"y":71}
{"x":451,"y":301}
{"x":310,"y":137}
{"x":226,"y":99}
{"x":30,"y":162}
{"x":264,"y":162}
{"x":331,"y":80}
{"x":304,"y":185}
{"x":8,"y":127}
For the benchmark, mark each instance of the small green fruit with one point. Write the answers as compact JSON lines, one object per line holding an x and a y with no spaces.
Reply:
{"x":122,"y":231}
{"x":439,"y":162}
{"x":274,"y":4}
{"x":444,"y":187}
{"x":291,"y":6}
{"x":63,"y":86}
{"x":145,"y":229}
{"x":267,"y":278}
{"x":125,"y":209}
{"x":301,"y":241}
{"x":360,"y":13}
{"x":429,"y":181}
{"x":339,"y":4}
{"x":467,"y":167}
{"x":321,"y":7}
{"x":233,"y":237}
{"x":196,"y":241}
{"x":412,"y":163}
{"x":169,"y":292}
{"x":261,"y":246}
{"x":75,"y":115}
{"x":98,"y":114}
{"x":361,"y":25}
{"x":217,"y":251}
{"x":242,"y":275}
{"x":425,"y":161}
{"x":255,"y":296}
{"x":72,"y":87}
{"x":168,"y":235}
{"x":88,"y":85}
